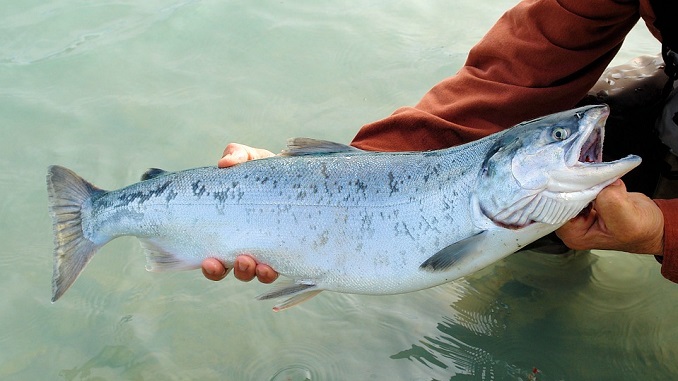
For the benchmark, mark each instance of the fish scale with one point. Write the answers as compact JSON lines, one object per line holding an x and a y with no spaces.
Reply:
{"x":331,"y":217}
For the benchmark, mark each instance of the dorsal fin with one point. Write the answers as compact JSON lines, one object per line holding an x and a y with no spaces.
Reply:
{"x":152,"y":173}
{"x":308,"y":146}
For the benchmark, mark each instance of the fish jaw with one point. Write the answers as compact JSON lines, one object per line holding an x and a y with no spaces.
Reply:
{"x":584,"y":168}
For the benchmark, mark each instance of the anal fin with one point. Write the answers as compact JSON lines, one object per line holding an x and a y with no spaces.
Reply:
{"x":454,"y":253}
{"x":296,"y":293}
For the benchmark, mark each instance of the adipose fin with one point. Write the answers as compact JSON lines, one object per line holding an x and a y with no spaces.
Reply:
{"x":152,"y":173}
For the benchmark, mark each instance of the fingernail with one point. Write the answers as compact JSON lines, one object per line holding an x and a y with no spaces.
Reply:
{"x":242,"y":266}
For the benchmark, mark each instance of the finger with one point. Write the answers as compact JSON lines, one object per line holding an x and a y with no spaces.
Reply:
{"x":612,"y":196}
{"x":236,"y":153}
{"x":581,"y":223}
{"x":233,"y":154}
{"x":266,"y":274}
{"x":244,"y":268}
{"x":632,"y":220}
{"x":213,"y":269}
{"x":614,"y":206}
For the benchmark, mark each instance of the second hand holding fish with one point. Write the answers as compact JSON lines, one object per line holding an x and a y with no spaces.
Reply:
{"x":618,"y":220}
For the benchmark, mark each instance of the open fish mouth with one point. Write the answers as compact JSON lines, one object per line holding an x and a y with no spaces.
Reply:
{"x":585,"y":156}
{"x":592,"y":149}
{"x":588,"y":149}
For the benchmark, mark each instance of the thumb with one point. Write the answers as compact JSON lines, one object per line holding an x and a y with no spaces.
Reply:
{"x":613,"y":206}
{"x":633,"y":220}
{"x":239,"y":153}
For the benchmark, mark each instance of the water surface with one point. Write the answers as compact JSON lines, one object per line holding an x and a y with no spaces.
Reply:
{"x":111,"y":88}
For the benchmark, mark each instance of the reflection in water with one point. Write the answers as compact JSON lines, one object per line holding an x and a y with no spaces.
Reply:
{"x":114,"y":357}
{"x":123,"y":360}
{"x":533,"y":317}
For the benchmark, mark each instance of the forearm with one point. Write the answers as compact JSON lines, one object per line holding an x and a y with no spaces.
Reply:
{"x":531,"y":63}
{"x":669,"y":260}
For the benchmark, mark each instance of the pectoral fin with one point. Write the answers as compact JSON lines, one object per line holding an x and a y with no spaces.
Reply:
{"x":454,"y":253}
{"x":298,"y":292}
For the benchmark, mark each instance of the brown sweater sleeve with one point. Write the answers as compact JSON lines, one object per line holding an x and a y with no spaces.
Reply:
{"x":670,"y":259}
{"x":542,"y":56}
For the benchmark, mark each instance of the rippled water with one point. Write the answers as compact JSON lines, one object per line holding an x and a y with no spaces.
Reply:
{"x":112,"y":88}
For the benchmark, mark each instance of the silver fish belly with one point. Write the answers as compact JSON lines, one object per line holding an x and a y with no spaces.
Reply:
{"x":331,"y":217}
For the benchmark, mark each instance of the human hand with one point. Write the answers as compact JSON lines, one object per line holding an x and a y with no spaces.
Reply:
{"x":245,"y":267}
{"x":618,"y":220}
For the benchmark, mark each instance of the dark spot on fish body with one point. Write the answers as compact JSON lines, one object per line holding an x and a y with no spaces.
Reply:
{"x":402,"y":229}
{"x":392,"y":183}
{"x":436,"y":169}
{"x":283,"y":208}
{"x":366,"y":221}
{"x":360,"y":186}
{"x":323,"y":170}
{"x":221,"y":196}
{"x":446,"y":205}
{"x":322,"y":239}
{"x":327,"y":189}
{"x":141,"y":197}
{"x":198,"y":189}
{"x":171,"y":195}
{"x":426,"y":225}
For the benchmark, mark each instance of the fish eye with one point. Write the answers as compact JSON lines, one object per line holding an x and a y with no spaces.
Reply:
{"x":560,"y":133}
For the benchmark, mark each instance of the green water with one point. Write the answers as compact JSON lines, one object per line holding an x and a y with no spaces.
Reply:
{"x":112,"y":88}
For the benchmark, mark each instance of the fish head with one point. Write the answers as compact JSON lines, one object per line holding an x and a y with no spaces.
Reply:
{"x":548,"y":169}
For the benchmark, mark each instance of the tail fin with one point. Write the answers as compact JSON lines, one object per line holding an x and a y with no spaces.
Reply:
{"x":72,"y":250}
